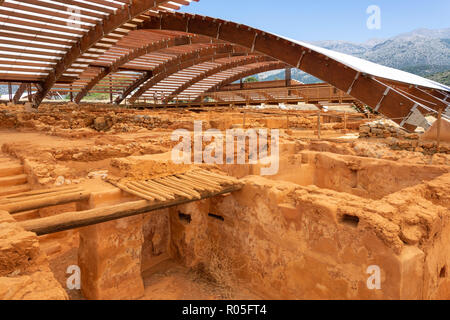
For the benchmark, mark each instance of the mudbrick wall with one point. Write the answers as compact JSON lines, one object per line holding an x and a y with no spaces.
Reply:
{"x":24,"y":269}
{"x":287,"y":241}
{"x":113,"y":255}
{"x":357,"y":175}
{"x":364,"y":177}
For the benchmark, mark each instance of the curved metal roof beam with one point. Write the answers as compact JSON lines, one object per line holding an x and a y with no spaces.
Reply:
{"x":316,"y":61}
{"x":246,"y":73}
{"x":134,"y":54}
{"x":223,"y":67}
{"x":428,"y":96}
{"x":181,"y":62}
{"x":102,"y":29}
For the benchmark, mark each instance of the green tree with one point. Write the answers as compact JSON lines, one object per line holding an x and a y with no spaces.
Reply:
{"x":250,"y":79}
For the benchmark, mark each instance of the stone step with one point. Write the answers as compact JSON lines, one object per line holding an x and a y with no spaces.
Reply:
{"x":10,"y":169}
{"x":13,"y":180}
{"x":5,"y":191}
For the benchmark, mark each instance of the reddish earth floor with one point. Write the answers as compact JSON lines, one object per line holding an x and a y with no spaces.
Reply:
{"x":355,"y":193}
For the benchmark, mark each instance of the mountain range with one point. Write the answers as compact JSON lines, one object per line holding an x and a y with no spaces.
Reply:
{"x":424,"y":52}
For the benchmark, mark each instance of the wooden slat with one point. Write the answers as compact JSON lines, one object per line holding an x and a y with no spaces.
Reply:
{"x":72,"y":220}
{"x":190,"y":185}
{"x":44,"y":202}
{"x":146,"y":192}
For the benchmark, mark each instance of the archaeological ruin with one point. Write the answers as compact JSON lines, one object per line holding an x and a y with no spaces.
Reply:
{"x":137,"y":164}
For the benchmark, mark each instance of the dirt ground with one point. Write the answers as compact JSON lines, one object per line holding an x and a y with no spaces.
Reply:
{"x":167,"y":280}
{"x":87,"y":146}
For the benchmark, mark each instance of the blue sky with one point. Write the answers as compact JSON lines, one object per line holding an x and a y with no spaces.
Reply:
{"x":328,"y":19}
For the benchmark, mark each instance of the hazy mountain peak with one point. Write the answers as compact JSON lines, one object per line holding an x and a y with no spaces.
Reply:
{"x":374,"y":41}
{"x":421,"y":51}
{"x":425,"y":33}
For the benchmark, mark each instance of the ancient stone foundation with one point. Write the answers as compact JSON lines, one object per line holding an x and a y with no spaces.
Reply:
{"x":292,"y":242}
{"x":339,"y":208}
{"x":24,"y":269}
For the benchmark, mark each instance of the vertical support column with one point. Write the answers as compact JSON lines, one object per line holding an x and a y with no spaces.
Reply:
{"x":438,"y":136}
{"x":71,"y":93}
{"x":19,"y":92}
{"x":10,"y":92}
{"x":288,"y":76}
{"x":110,"y":90}
{"x":30,"y":92}
{"x":110,"y":253}
{"x":241,"y":84}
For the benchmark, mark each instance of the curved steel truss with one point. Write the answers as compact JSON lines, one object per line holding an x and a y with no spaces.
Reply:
{"x":128,"y":51}
{"x":134,"y":49}
{"x":47,"y":42}
{"x":375,"y":91}
{"x":188,"y":58}
{"x":173,"y":79}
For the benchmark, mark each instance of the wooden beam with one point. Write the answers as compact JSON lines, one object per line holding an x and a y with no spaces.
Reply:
{"x":19,"y":92}
{"x":178,"y":63}
{"x":52,"y":200}
{"x":10,"y":96}
{"x":269,"y":66}
{"x":92,"y":37}
{"x":134,"y":54}
{"x":187,"y":60}
{"x":72,"y":220}
{"x":288,"y":76}
{"x":381,"y":97}
{"x":223,"y":67}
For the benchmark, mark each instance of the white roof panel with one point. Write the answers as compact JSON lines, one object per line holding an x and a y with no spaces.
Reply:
{"x":374,"y":69}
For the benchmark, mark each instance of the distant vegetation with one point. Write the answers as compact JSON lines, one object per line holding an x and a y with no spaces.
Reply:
{"x":251,"y":79}
{"x":441,"y":77}
{"x":97,"y":96}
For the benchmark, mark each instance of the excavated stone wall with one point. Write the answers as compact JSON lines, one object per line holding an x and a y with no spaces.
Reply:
{"x":113,"y":255}
{"x":311,"y":231}
{"x":290,"y":242}
{"x":24,"y":269}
